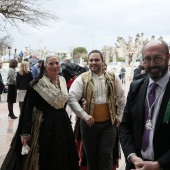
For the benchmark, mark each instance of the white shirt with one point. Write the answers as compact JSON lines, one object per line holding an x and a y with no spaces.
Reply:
{"x":76,"y":92}
{"x":100,"y":88}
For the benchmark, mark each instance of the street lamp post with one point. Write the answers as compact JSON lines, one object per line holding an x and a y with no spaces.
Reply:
{"x":9,"y":48}
{"x":15,"y":52}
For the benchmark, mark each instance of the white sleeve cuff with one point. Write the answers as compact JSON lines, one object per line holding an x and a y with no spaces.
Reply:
{"x":128,"y":158}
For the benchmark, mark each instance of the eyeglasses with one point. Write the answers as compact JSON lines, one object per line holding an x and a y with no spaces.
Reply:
{"x":157,"y":59}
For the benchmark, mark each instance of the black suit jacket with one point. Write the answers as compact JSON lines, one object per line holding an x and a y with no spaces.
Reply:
{"x":137,"y":73}
{"x":132,"y":125}
{"x":1,"y":84}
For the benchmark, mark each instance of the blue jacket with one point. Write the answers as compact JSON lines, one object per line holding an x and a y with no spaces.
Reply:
{"x":35,"y":71}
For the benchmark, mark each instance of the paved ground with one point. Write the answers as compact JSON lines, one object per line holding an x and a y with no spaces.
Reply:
{"x":8,"y":127}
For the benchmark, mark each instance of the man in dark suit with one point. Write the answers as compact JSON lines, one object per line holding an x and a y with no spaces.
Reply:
{"x":138,"y":121}
{"x":139,"y":72}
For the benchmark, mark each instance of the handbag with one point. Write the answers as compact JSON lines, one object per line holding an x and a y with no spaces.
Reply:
{"x":3,"y":97}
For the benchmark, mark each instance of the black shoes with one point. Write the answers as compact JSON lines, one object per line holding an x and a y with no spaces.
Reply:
{"x":12,"y":116}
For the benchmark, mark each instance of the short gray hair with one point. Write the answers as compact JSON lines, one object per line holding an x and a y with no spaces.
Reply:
{"x":49,"y":56}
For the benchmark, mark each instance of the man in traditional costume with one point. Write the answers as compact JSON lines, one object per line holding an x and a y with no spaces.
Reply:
{"x":102,"y":91}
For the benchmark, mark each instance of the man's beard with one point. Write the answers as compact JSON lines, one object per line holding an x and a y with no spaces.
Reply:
{"x":157,"y":75}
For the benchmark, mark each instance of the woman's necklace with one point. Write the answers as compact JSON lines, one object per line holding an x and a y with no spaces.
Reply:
{"x":56,"y":82}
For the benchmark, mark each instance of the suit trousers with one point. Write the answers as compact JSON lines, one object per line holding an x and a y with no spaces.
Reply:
{"x":98,"y":141}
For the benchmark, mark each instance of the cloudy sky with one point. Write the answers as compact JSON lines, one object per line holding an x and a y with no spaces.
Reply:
{"x":95,"y":23}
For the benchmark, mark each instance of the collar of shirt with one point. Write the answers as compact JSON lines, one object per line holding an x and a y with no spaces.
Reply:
{"x":161,"y":82}
{"x":100,"y":88}
{"x":96,"y":76}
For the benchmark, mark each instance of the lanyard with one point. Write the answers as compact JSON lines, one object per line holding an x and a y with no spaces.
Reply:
{"x":150,"y":107}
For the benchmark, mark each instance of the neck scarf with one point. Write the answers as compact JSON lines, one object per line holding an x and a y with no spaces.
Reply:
{"x":55,"y":96}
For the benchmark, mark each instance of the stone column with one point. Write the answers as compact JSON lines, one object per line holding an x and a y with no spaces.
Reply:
{"x":107,"y":57}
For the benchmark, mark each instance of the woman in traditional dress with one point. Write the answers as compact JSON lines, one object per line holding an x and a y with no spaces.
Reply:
{"x":44,"y":125}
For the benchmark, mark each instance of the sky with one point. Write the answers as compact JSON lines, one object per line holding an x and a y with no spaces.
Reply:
{"x":95,"y":23}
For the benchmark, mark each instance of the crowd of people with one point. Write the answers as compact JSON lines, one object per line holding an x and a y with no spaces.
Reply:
{"x":44,"y":139}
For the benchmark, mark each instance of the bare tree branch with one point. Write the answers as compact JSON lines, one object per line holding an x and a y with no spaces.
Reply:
{"x":25,"y":11}
{"x":5,"y":41}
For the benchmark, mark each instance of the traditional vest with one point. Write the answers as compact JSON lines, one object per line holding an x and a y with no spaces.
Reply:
{"x":89,"y":93}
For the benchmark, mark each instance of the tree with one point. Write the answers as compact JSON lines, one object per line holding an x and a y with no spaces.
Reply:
{"x":25,"y":11}
{"x":133,"y":46}
{"x":79,"y":50}
{"x":130,"y":46}
{"x":5,"y":42}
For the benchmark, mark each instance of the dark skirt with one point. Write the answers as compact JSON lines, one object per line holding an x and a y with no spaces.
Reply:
{"x":57,"y":144}
{"x":52,"y":145}
{"x":12,"y":94}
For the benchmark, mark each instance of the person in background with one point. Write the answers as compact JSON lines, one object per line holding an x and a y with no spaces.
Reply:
{"x":26,"y":59}
{"x":116,"y":148}
{"x":104,"y":66}
{"x":70,"y":71}
{"x":102,"y":91}
{"x":2,"y":86}
{"x":35,"y":69}
{"x":122,"y":74}
{"x":77,"y":135}
{"x":144,"y":130}
{"x":33,"y":60}
{"x":12,"y":88}
{"x":26,"y":55}
{"x":139,"y":72}
{"x":24,"y":77}
{"x":85,"y":66}
{"x":169,"y":66}
{"x":44,"y":125}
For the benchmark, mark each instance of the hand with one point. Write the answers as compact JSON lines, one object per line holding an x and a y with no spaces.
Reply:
{"x":84,"y":103}
{"x":147,"y":165}
{"x":89,"y":120}
{"x":143,"y":72}
{"x":135,"y":159}
{"x":6,"y":87}
{"x":118,"y":122}
{"x":25,"y":139}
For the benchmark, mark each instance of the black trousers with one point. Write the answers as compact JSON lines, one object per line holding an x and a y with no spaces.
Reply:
{"x":98,"y":142}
